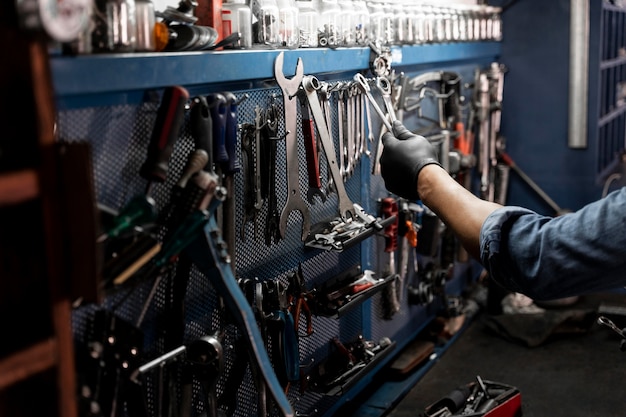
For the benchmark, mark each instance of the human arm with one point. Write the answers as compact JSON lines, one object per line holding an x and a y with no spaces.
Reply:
{"x":404,"y":156}
{"x":543,"y":257}
{"x":457,"y":207}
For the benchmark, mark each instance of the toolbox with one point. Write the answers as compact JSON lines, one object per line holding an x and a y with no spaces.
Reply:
{"x":480,"y":398}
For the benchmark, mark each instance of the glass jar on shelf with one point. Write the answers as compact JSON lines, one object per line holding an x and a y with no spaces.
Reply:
{"x":377,"y":16}
{"x":121,"y":25}
{"x":419,"y":24}
{"x":348,"y":22}
{"x":237,"y":18}
{"x":308,"y":17}
{"x":288,"y":31}
{"x":403,"y":27}
{"x":362,"y":29}
{"x":439,"y":24}
{"x":389,"y":32}
{"x":265,"y":21}
{"x":329,"y":24}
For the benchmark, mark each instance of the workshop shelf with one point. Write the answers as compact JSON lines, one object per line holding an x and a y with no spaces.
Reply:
{"x":110,"y":79}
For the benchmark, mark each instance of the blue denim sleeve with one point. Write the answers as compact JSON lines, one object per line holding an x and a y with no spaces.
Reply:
{"x":554,"y":257}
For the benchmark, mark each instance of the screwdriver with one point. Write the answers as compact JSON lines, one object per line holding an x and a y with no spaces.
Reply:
{"x":229,"y":168}
{"x":141,"y":209}
{"x":218,"y":108}
{"x":230,"y":139}
{"x":201,"y":127}
{"x":169,"y":120}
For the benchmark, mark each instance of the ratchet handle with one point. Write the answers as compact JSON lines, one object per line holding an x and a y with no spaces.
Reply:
{"x":312,"y":158}
{"x":169,"y":119}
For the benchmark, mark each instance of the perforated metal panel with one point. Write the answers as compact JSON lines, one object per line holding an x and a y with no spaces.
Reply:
{"x":119,"y":137}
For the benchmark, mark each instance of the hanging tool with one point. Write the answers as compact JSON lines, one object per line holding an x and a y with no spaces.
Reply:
{"x":201,"y":128}
{"x":269,"y":144}
{"x":248,"y":158}
{"x":391,"y":301}
{"x":281,"y":332}
{"x":204,"y":363}
{"x":170,"y":117}
{"x":311,"y":85}
{"x":208,"y":255}
{"x":229,"y":169}
{"x":365,"y":88}
{"x":312,"y":159}
{"x":113,"y":353}
{"x":299,"y":298}
{"x":294,"y":201}
{"x":141,"y":209}
{"x":218,"y":109}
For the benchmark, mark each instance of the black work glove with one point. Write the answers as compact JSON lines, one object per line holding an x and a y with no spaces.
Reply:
{"x":404,"y":155}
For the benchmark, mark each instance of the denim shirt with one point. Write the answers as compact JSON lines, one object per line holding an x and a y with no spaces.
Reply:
{"x":554,"y":257}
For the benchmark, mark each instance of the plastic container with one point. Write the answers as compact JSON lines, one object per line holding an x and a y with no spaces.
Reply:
{"x":265,"y":23}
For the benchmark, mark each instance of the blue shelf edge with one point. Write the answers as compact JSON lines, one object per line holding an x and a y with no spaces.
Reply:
{"x":86,"y":77}
{"x":391,"y":392}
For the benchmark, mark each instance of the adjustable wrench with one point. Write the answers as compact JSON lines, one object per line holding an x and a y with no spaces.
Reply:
{"x":311,"y":85}
{"x":294,"y":201}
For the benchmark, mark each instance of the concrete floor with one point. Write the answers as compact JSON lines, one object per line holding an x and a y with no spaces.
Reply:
{"x":568,"y":375}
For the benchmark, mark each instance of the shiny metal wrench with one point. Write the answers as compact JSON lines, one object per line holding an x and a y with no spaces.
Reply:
{"x":294,"y":201}
{"x":311,"y":85}
{"x":365,"y":87}
{"x":384,"y":86}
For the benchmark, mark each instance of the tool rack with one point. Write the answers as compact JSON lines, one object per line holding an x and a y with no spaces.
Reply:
{"x":110,"y":100}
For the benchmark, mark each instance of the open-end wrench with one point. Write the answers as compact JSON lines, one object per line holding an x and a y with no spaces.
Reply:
{"x":311,"y":85}
{"x":325,"y":91}
{"x":294,"y":201}
{"x":341,"y":129}
{"x":365,"y":87}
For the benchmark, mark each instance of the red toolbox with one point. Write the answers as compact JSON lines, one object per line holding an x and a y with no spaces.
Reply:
{"x":481,"y":398}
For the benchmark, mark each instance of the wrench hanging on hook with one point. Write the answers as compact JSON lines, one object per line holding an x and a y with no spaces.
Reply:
{"x":346,"y":206}
{"x":294,"y":201}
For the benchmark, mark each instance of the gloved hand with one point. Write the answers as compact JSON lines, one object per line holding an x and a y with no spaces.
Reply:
{"x":404,"y":155}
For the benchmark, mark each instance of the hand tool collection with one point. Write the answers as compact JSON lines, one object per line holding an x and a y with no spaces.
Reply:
{"x":156,"y":251}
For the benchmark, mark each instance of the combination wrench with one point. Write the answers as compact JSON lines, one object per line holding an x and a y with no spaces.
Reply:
{"x":346,"y":207}
{"x":294,"y":201}
{"x":365,"y":88}
{"x":384,"y":86}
